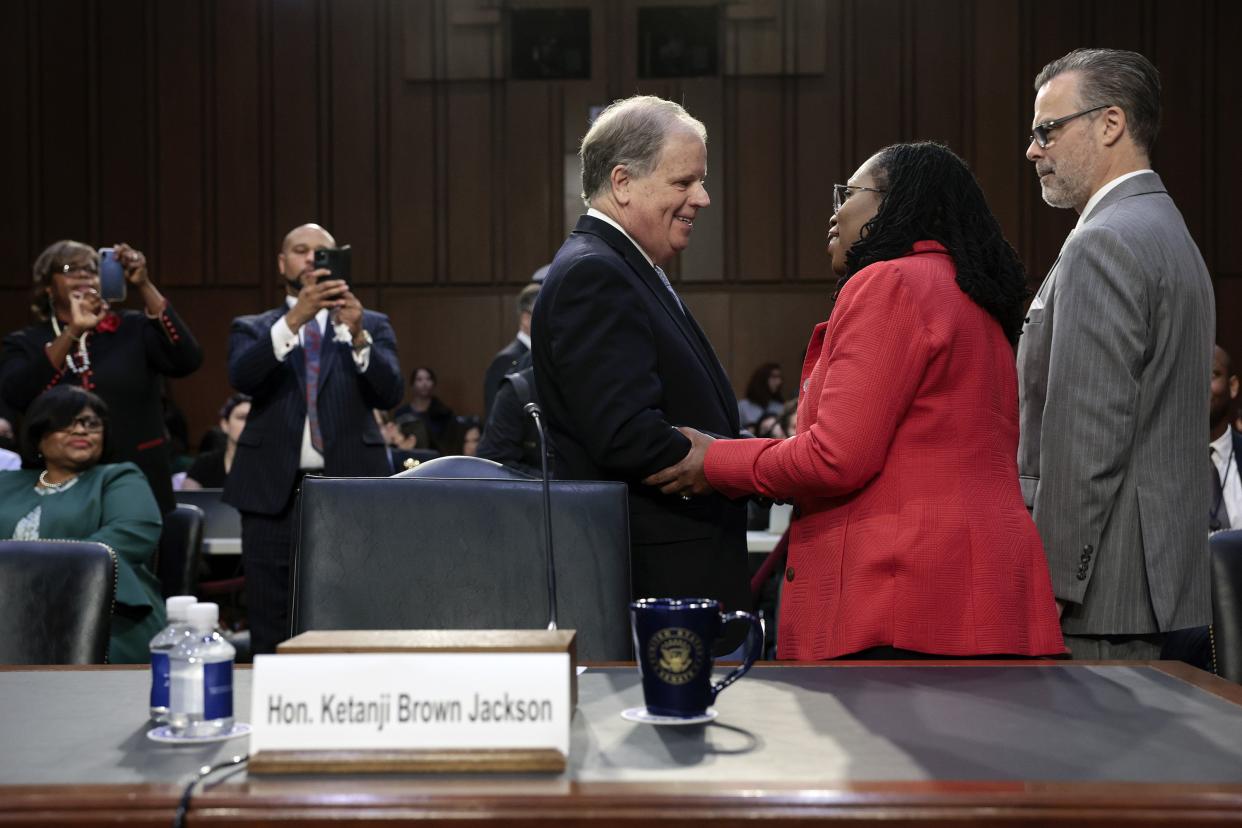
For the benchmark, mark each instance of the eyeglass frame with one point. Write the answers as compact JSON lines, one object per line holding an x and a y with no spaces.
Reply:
{"x":90,"y":423}
{"x":89,"y":268}
{"x":1056,"y":123}
{"x":837,"y":189}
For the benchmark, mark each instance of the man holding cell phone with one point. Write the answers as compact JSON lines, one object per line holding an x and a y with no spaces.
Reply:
{"x":315,"y":367}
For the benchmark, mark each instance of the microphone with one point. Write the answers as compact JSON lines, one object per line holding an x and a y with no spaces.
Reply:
{"x":533,"y":411}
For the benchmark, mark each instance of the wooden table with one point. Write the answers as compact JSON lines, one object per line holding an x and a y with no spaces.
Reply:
{"x":965,"y":743}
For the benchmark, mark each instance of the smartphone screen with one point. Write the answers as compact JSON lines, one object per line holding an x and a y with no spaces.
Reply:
{"x":112,"y":284}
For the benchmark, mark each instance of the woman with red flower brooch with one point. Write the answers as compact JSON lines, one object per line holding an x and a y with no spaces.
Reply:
{"x":121,"y":356}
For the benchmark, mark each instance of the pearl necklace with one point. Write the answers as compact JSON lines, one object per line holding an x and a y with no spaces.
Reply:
{"x":80,"y":362}
{"x":53,"y":488}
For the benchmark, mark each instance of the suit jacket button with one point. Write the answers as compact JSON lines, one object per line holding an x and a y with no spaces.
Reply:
{"x":1082,"y":576}
{"x":1087,"y":550}
{"x":789,"y":573}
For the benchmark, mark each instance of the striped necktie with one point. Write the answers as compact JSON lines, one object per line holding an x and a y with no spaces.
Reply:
{"x":664,"y":280}
{"x":312,"y":340}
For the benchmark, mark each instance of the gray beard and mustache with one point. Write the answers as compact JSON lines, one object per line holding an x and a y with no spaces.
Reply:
{"x":1070,"y":184}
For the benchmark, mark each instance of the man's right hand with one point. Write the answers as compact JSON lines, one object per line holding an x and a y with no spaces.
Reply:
{"x":314,"y":297}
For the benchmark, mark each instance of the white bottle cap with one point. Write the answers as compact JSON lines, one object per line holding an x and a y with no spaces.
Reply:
{"x":203,"y":617}
{"x":176,"y":606}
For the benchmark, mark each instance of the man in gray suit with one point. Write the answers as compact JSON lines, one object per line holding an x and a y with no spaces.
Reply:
{"x":1113,"y":365}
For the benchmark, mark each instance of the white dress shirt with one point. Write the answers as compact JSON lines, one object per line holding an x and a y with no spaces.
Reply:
{"x":1103,"y":191}
{"x":284,"y":340}
{"x":593,"y":213}
{"x":1227,"y":470}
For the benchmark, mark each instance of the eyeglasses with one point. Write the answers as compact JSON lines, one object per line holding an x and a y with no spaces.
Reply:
{"x":842,"y":192}
{"x":86,"y":422}
{"x":1039,"y":132}
{"x":88,"y":269}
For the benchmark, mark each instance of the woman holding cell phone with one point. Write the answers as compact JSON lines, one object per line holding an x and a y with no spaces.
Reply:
{"x":121,"y":355}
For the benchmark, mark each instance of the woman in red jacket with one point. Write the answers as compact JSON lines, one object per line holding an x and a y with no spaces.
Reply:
{"x":910,"y":536}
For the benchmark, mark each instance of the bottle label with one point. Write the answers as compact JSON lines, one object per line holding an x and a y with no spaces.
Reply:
{"x":218,"y":690}
{"x":159,"y":679}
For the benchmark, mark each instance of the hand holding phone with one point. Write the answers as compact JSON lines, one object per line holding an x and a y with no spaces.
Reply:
{"x":112,"y":284}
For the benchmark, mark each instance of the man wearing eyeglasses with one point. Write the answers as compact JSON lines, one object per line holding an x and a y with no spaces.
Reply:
{"x":1114,"y":365}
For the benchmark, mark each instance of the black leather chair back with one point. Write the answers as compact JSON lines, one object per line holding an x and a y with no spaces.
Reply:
{"x":1227,"y":603}
{"x":180,"y":550}
{"x":419,"y":553}
{"x":460,"y":466}
{"x":56,"y":604}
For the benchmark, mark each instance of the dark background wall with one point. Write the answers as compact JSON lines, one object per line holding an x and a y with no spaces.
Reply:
{"x":202,"y":130}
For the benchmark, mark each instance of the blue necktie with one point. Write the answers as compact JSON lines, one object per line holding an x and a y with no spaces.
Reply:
{"x":664,"y":280}
{"x":311,"y":342}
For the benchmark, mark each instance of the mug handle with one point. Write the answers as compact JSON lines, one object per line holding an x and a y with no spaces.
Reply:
{"x":754,"y":646}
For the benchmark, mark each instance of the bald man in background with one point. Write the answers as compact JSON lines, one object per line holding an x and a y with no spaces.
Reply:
{"x":315,"y":367}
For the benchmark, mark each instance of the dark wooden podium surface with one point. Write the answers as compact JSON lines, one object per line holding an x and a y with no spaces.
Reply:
{"x":967,"y":743}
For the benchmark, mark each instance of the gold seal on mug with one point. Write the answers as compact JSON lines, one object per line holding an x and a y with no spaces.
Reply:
{"x":676,"y":654}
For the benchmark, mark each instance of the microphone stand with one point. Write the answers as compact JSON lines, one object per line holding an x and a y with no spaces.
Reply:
{"x":533,"y":411}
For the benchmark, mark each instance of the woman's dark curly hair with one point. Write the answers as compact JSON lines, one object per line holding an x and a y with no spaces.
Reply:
{"x":932,"y":195}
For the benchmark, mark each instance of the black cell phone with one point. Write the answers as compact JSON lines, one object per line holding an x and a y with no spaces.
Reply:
{"x":335,"y":259}
{"x":112,"y":284}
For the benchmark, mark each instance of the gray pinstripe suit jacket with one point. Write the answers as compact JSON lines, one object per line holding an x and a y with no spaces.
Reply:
{"x":1113,"y":370}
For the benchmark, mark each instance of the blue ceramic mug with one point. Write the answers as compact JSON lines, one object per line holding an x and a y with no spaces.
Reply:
{"x":673,"y":640}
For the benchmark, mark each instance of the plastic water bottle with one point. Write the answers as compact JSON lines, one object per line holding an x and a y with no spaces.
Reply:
{"x":163,"y":642}
{"x":201,"y":687}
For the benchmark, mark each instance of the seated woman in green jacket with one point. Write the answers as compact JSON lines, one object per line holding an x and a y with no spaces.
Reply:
{"x":63,"y":492}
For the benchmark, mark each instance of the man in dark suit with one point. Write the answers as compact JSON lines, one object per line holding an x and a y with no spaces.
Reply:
{"x":516,"y":355}
{"x":620,"y":360}
{"x":316,"y":367}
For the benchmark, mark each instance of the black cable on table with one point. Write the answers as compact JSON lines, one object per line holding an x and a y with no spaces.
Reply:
{"x":183,"y":807}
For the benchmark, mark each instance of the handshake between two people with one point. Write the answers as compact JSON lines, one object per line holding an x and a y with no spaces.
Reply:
{"x":686,"y":477}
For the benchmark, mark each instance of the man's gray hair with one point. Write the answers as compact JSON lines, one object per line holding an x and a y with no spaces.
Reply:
{"x":1115,"y":77}
{"x":630,"y":132}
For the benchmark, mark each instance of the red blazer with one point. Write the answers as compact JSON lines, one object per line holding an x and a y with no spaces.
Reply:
{"x":909,"y":525}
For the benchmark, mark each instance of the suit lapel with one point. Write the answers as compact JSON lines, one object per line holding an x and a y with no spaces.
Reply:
{"x":296,"y":357}
{"x":683,"y":321}
{"x":1143,"y":184}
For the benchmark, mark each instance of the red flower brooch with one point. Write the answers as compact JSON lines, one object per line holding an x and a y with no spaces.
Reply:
{"x":108,"y":324}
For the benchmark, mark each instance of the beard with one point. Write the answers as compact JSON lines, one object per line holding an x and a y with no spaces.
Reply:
{"x":1070,"y":182}
{"x":295,"y":282}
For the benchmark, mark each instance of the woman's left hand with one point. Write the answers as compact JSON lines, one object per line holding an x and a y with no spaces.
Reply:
{"x":135,"y":264}
{"x":686,"y":477}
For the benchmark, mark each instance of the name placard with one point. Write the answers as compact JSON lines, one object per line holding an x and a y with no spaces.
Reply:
{"x":411,"y":702}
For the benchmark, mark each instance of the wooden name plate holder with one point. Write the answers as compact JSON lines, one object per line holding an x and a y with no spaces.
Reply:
{"x":383,"y":691}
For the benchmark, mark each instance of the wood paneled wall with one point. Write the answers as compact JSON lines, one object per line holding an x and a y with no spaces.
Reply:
{"x":202,"y":130}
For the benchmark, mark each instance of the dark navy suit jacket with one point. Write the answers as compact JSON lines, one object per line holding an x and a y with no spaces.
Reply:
{"x":265,"y":468}
{"x":619,"y":365}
